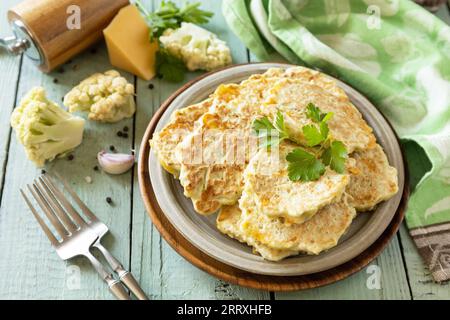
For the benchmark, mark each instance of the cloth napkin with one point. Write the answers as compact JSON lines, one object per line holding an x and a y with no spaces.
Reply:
{"x":396,"y":54}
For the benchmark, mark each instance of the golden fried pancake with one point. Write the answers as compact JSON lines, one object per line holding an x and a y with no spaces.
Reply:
{"x":213,"y":159}
{"x":375,"y":181}
{"x":181,"y":124}
{"x":291,"y":98}
{"x":317,"y":234}
{"x":307,"y":75}
{"x":274,"y":194}
{"x":228,"y":222}
{"x":234,"y":108}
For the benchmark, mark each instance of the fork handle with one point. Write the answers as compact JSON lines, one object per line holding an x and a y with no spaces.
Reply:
{"x":115,"y":286}
{"x":119,"y":291}
{"x":125,"y":276}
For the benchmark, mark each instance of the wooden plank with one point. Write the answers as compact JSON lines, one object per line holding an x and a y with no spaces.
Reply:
{"x":161,"y":271}
{"x":9,"y":77}
{"x":33,"y":270}
{"x":422,"y":285}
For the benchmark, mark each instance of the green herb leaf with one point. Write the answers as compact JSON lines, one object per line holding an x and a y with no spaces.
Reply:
{"x":304,"y":166}
{"x":265,"y":129}
{"x":262,"y":124}
{"x":313,"y":135}
{"x":280,"y":126}
{"x":335,"y":156}
{"x":169,"y":67}
{"x":169,"y":16}
{"x":326,"y":117}
{"x":313,"y":112}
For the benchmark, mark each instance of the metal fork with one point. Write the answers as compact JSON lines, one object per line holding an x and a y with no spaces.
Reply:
{"x":100,"y":229}
{"x":77,"y":236}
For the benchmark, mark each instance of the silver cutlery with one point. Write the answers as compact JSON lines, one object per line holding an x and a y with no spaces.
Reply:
{"x":78,"y":236}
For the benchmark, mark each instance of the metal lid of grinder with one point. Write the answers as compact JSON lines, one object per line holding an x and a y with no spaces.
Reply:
{"x":41,"y":30}
{"x":22,"y":41}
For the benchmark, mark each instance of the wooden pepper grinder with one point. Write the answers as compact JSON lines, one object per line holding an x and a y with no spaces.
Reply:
{"x":50,"y":32}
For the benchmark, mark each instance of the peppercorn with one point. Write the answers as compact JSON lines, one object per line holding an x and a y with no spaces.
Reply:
{"x":70,"y":157}
{"x":151,"y":86}
{"x":109,"y":200}
{"x":112,"y":148}
{"x":119,"y":133}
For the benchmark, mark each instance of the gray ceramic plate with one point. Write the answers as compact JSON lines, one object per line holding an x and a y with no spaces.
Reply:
{"x":202,"y":232}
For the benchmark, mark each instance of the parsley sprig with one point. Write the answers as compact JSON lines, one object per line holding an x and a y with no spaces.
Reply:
{"x":271,"y":134}
{"x":170,"y":16}
{"x":302,"y":164}
{"x":317,"y":133}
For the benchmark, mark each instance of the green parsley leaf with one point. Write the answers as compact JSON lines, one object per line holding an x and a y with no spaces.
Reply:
{"x":335,"y":156}
{"x":270,"y":135}
{"x":262,"y":124}
{"x":169,"y":16}
{"x":313,"y":112}
{"x":280,"y":126}
{"x":313,"y":135}
{"x":169,"y":67}
{"x":324,"y":130}
{"x":304,"y":166}
{"x":326,"y":117}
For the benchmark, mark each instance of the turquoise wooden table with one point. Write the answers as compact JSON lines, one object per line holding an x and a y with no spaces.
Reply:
{"x":29,"y":267}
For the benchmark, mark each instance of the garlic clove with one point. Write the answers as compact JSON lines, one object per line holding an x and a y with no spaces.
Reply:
{"x":115,"y":163}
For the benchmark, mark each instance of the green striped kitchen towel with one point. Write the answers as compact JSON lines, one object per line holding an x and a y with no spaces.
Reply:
{"x":398,"y":55}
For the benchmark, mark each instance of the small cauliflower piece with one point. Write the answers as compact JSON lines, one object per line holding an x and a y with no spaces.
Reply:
{"x":198,"y":48}
{"x":108,"y":97}
{"x":45,"y":129}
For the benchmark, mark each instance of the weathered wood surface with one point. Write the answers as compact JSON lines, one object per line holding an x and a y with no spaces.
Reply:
{"x":30,"y":268}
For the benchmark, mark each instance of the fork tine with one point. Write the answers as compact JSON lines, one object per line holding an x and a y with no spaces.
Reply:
{"x":62,"y":198}
{"x":75,"y":197}
{"x":41,"y":222}
{"x":37,"y":195}
{"x":60,"y":212}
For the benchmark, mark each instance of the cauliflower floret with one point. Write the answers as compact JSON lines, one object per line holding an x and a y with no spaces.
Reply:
{"x":198,"y":48}
{"x":107,"y":97}
{"x":45,"y":129}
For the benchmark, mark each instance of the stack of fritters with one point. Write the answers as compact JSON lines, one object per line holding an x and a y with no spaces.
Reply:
{"x":212,"y":149}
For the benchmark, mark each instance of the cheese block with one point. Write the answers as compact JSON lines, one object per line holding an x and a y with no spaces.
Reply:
{"x":129,"y":47}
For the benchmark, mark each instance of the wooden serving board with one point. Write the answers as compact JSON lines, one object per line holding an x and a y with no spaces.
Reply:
{"x":234,"y":275}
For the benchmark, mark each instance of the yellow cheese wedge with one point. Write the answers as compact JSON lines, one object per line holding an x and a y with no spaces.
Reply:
{"x":129,"y":47}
